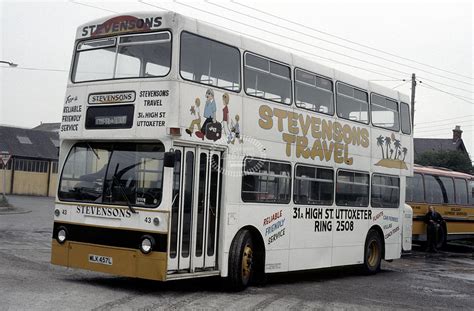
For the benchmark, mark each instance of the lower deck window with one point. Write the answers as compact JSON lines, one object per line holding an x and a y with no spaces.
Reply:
{"x":266,"y":181}
{"x":352,"y":189}
{"x":313,"y":185}
{"x":385,"y":191}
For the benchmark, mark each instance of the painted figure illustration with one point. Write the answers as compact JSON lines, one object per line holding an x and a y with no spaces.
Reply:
{"x":225,"y":117}
{"x":195,"y":111}
{"x":236,"y":130}
{"x":211,"y":129}
{"x":209,"y":114}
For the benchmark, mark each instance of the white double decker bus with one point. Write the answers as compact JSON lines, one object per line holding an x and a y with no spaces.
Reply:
{"x":188,"y":151}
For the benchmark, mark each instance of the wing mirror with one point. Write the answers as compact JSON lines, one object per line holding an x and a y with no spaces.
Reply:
{"x":169,"y":158}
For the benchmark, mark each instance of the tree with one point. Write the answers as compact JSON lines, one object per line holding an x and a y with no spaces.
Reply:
{"x":453,"y":160}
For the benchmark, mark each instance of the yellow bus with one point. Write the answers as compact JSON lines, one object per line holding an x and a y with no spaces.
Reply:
{"x":450,"y":193}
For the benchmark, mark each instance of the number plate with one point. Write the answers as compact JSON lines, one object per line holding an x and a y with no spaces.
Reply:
{"x":104,"y":260}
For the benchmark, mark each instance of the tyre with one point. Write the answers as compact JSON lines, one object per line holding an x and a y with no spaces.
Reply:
{"x":372,"y":253}
{"x":241,"y":261}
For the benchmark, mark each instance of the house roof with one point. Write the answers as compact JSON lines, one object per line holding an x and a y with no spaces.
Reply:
{"x":51,"y":127}
{"x":30,"y":143}
{"x":438,"y":144}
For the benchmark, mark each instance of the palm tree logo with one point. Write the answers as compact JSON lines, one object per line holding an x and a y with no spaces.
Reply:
{"x":380,"y":141}
{"x":388,"y":144}
{"x":392,"y":156}
{"x":397,"y":145}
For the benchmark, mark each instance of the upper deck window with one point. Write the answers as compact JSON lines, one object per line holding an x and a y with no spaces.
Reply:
{"x":267,"y":79}
{"x":352,"y":103}
{"x":313,"y":92}
{"x":131,"y":56}
{"x":405,"y":116}
{"x":209,"y":62}
{"x":384,"y":112}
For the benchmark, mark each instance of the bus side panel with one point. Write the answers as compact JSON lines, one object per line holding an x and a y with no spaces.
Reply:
{"x":348,"y":245}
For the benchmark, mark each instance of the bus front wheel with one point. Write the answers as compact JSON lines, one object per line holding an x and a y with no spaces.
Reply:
{"x":241,"y":261}
{"x":372,"y":253}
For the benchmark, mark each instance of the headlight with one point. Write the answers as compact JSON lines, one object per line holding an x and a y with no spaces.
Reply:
{"x":62,"y":234}
{"x":147,"y":244}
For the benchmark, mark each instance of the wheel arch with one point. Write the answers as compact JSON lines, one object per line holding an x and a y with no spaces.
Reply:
{"x":259,"y":249}
{"x":379,"y":231}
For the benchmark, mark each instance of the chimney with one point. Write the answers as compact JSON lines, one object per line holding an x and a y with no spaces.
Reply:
{"x":457,"y":133}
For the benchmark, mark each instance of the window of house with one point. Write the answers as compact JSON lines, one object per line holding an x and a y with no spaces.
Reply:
{"x":24,"y":140}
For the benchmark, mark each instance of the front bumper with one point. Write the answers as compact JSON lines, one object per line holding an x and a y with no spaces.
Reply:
{"x":125,"y":262}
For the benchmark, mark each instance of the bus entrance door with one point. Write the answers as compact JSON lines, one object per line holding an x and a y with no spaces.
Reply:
{"x":195,"y":210}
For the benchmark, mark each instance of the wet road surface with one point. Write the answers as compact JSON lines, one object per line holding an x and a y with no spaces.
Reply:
{"x":27,"y":281}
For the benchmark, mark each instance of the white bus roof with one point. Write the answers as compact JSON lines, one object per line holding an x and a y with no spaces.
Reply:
{"x":180,"y":22}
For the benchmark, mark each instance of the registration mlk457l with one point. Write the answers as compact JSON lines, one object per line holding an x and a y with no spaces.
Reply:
{"x":100,"y":259}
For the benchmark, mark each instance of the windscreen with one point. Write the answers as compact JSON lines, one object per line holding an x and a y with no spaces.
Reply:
{"x":131,"y":56}
{"x":119,"y":173}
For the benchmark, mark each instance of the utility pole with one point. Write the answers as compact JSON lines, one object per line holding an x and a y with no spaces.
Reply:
{"x":413,"y":86}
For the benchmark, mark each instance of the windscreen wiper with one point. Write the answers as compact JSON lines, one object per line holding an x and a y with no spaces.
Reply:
{"x":122,"y":191}
{"x":93,"y":150}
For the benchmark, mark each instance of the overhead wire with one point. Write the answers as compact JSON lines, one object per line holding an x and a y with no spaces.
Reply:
{"x":34,"y":69}
{"x":434,"y":121}
{"x":446,"y":92}
{"x":92,"y":6}
{"x":448,"y":85}
{"x":444,"y":124}
{"x":296,"y":40}
{"x":444,"y":131}
{"x":349,"y":41}
{"x":273,"y":42}
{"x":442,"y":128}
{"x":328,"y":50}
{"x":396,"y":87}
{"x":334,"y":43}
{"x":287,"y":37}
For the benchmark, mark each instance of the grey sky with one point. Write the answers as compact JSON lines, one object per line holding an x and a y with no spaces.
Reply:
{"x":40,"y":35}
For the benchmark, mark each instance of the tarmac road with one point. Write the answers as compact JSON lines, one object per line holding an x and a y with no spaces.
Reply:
{"x":29,"y":282}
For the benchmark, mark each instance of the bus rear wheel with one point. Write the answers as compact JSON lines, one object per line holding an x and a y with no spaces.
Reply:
{"x":241,"y":261}
{"x":372,"y":253}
